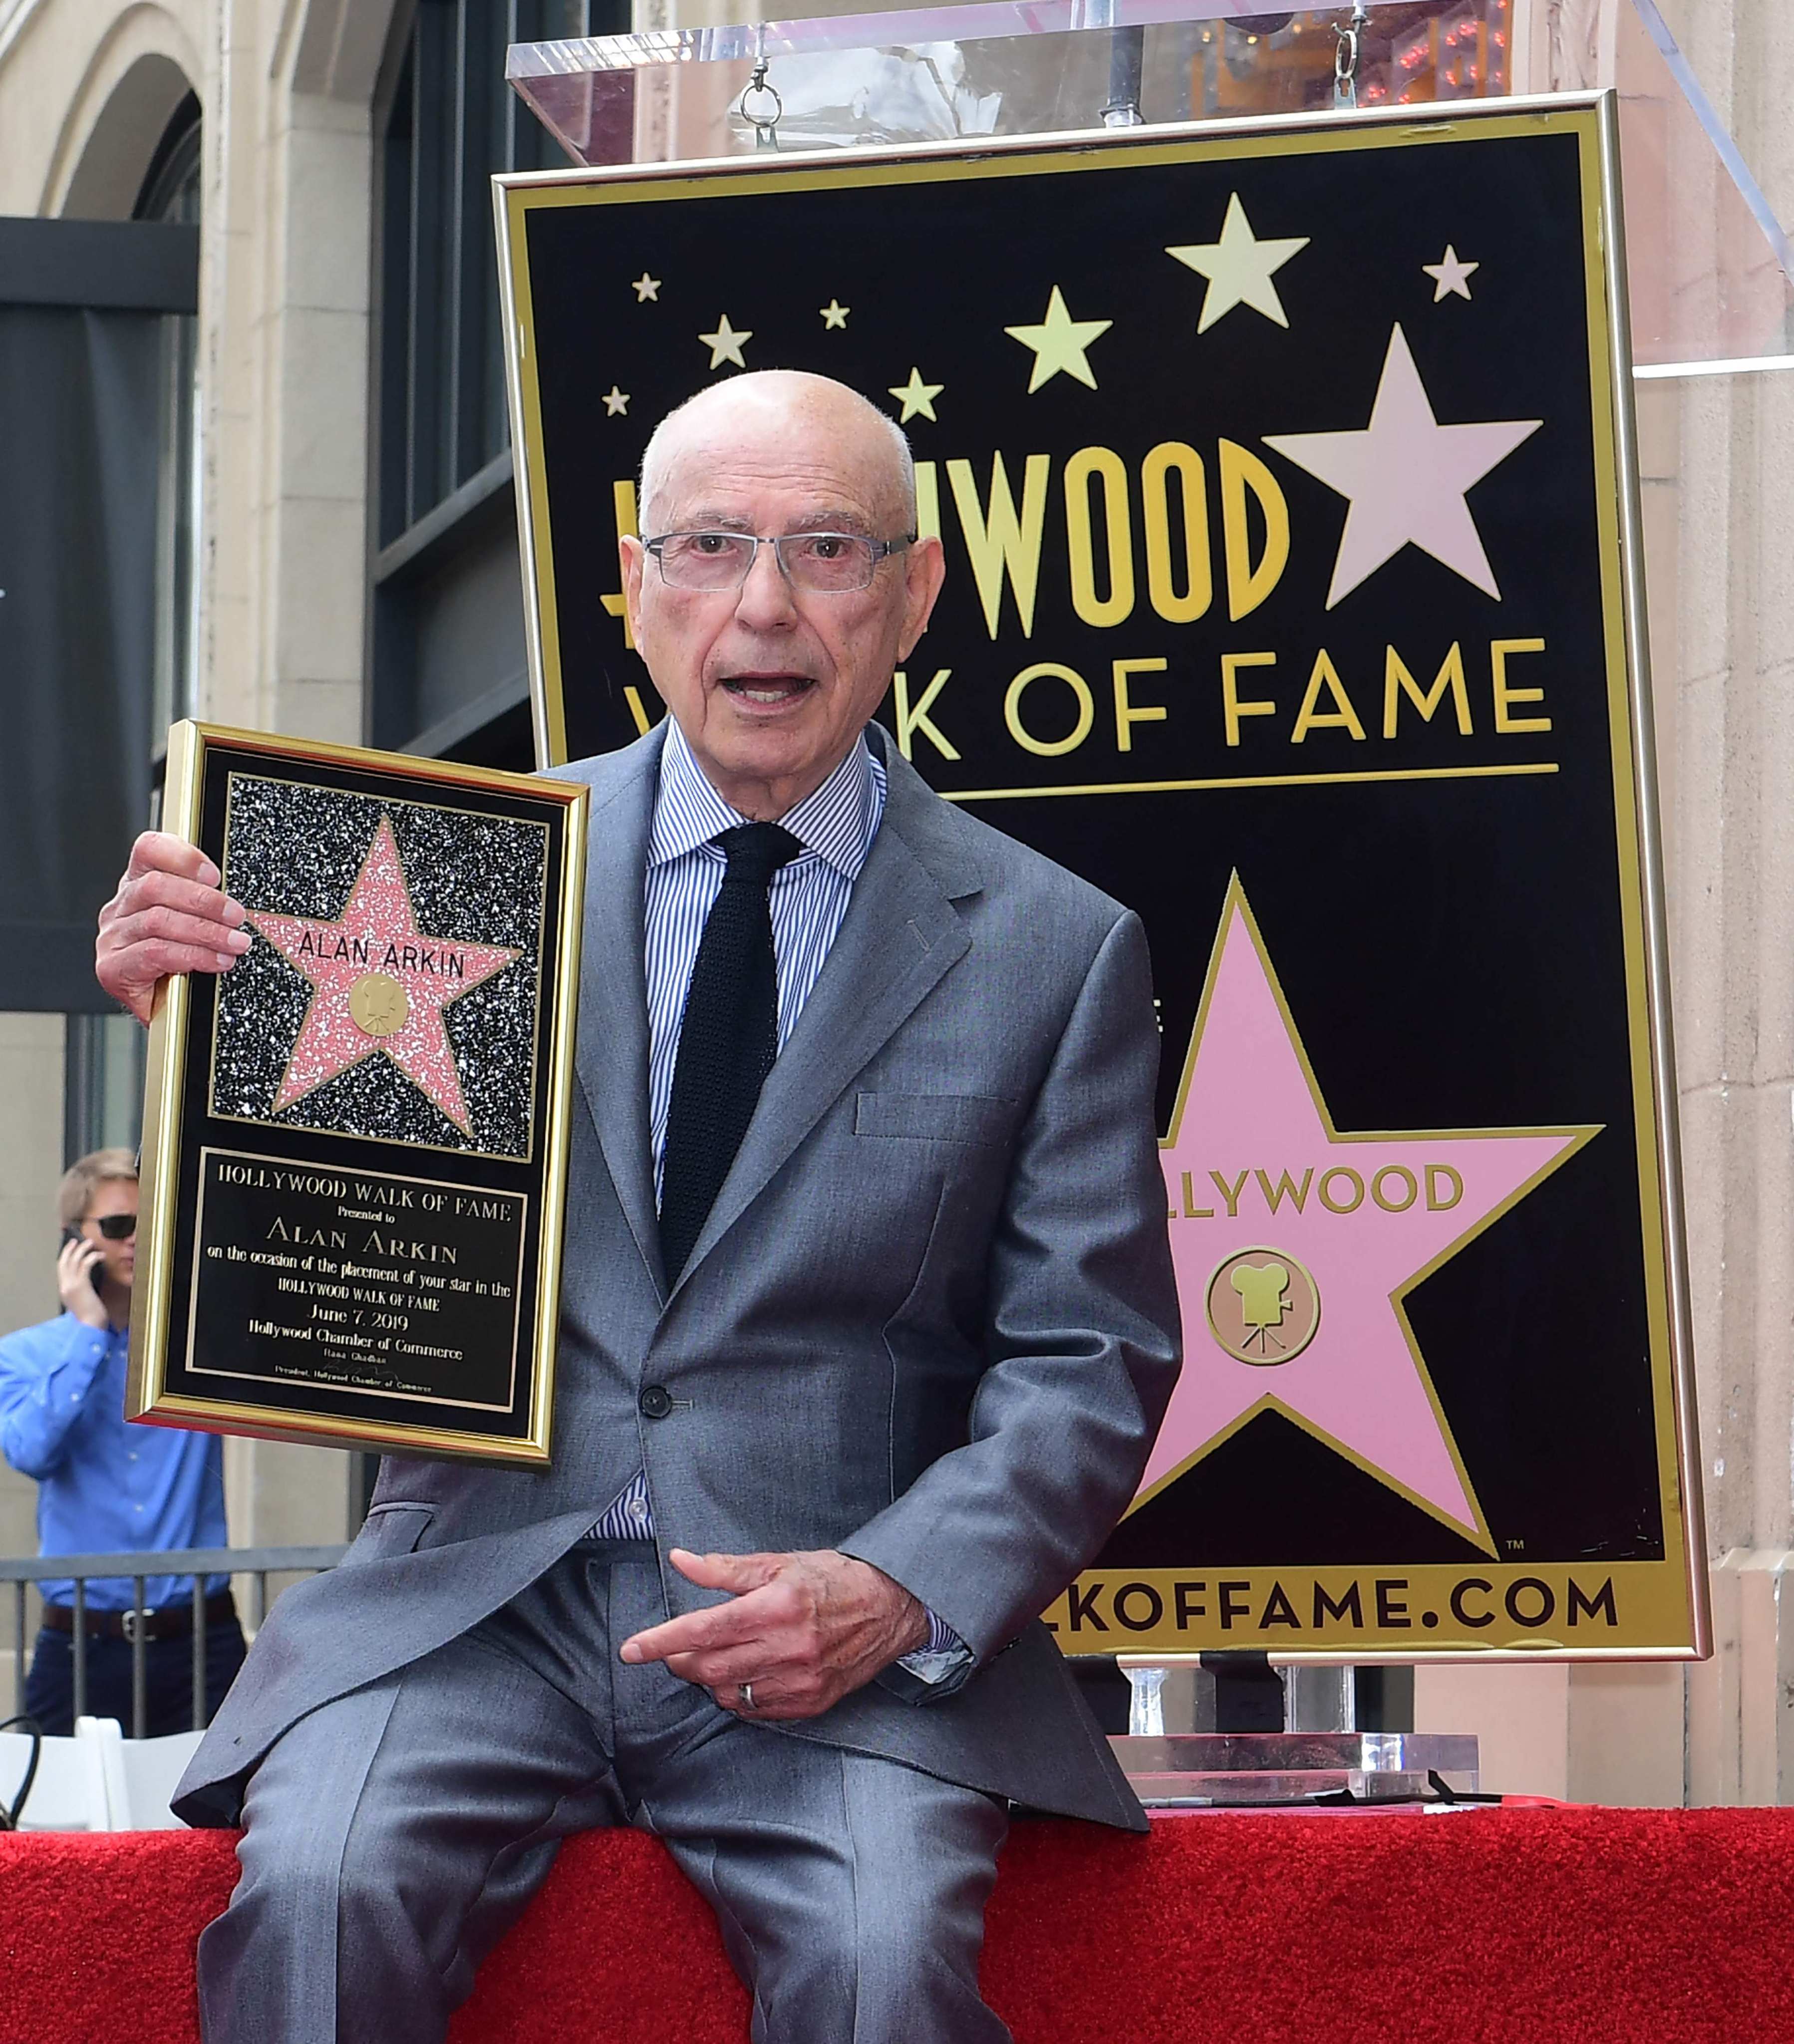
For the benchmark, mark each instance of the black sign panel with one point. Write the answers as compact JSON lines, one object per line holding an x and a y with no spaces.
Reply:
{"x":1283,"y":480}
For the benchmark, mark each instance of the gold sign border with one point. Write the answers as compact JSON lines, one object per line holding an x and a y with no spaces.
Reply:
{"x":147,"y":1397}
{"x":1685,"y":1627}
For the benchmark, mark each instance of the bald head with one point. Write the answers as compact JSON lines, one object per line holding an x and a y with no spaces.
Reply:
{"x":760,"y":417}
{"x":771,"y":679}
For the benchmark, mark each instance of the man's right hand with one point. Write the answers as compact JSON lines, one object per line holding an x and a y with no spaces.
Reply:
{"x":168,"y":915}
{"x":74,"y":1280}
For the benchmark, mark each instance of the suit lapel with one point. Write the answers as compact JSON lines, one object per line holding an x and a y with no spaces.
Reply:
{"x":612,"y":1049}
{"x":901,"y":936}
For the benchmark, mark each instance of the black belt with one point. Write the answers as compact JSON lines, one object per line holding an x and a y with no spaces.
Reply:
{"x":173,"y":1621}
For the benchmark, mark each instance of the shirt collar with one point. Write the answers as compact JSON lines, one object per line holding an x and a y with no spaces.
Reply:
{"x":836,"y":823}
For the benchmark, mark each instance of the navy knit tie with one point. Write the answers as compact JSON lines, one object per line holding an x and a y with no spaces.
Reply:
{"x":727,"y":1039}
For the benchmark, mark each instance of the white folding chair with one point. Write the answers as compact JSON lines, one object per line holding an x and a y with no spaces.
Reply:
{"x":139,"y":1774}
{"x":68,"y":1792}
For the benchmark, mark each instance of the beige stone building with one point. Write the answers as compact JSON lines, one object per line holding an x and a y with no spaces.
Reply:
{"x":343,"y":565}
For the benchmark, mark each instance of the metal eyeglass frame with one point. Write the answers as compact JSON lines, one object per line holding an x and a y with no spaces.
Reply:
{"x":881,"y":549}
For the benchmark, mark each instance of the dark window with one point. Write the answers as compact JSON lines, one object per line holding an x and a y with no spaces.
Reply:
{"x":103,"y":1075}
{"x":454,"y":121}
{"x":447,"y":645}
{"x":172,"y":192}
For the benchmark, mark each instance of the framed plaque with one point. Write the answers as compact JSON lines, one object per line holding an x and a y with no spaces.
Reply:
{"x":355,"y":1141}
{"x":1286,"y":477}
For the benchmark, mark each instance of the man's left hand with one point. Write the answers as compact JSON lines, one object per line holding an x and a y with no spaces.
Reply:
{"x":801,"y":1630}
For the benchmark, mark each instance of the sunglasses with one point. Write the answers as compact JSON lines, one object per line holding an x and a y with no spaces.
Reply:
{"x":115,"y":1227}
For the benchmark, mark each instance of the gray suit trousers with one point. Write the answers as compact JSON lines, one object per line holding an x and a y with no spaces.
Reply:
{"x":393,"y":1835}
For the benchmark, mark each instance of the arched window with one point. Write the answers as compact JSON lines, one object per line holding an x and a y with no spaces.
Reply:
{"x":103,"y":1055}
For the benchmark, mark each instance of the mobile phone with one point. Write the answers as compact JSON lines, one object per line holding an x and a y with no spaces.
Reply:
{"x":98,"y":1271}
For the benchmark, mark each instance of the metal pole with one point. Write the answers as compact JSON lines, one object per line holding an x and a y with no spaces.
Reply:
{"x":1127,"y":61}
{"x":199,"y":1654}
{"x":140,"y":1665}
{"x":80,"y":1648}
{"x":18,"y":1649}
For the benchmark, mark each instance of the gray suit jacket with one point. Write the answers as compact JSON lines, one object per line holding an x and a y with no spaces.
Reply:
{"x":931,"y":1320}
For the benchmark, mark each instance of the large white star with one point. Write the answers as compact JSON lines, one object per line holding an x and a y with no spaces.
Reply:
{"x":1239,"y":268}
{"x":1406,"y":475}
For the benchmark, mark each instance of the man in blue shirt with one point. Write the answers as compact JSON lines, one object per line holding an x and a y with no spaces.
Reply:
{"x":105,"y":1486}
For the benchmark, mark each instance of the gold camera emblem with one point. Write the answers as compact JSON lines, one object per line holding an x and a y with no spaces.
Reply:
{"x":379,"y":1004}
{"x":1263,"y":1306}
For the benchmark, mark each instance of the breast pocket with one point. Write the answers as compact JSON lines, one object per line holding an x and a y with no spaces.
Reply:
{"x":974,"y":1120}
{"x":390,"y":1530}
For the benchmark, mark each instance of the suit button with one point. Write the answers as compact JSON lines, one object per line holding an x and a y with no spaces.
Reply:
{"x":656,"y":1401}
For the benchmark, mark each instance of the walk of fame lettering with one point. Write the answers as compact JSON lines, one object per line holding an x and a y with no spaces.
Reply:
{"x":380,"y":986}
{"x":1292,"y":1271}
{"x":1185,"y":533}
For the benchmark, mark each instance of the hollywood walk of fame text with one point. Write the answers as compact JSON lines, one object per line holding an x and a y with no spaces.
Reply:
{"x":354,"y":1281}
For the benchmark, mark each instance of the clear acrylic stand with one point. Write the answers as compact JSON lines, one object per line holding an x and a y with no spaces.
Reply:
{"x":1709,"y":261}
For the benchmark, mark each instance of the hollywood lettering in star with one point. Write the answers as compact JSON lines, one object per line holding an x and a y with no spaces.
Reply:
{"x":1277,"y":484}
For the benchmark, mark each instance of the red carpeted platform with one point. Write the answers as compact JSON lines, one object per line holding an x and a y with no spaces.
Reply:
{"x":1547,"y":1925}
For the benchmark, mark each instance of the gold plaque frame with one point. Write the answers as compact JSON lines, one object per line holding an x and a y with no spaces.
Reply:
{"x":176,"y":1114}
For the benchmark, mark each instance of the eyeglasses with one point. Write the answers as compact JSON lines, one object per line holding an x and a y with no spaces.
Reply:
{"x":830,"y":563}
{"x":115,"y":1227}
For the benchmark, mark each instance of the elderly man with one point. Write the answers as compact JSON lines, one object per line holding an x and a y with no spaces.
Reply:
{"x":868,"y":1322}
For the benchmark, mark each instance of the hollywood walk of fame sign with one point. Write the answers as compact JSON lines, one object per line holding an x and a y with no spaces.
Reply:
{"x":354,"y":1149}
{"x":1284,"y":475}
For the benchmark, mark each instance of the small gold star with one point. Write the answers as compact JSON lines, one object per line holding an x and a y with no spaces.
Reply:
{"x":615,"y":400}
{"x":724,"y":344}
{"x":646,"y":287}
{"x":1239,"y":267}
{"x":916,"y":398}
{"x":835,"y":313}
{"x":1059,"y":342}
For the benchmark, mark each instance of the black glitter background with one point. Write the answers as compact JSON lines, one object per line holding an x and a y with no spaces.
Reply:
{"x":474,"y":878}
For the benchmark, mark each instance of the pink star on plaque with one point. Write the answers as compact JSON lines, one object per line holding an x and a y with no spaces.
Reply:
{"x":1295,"y":1246}
{"x":381,"y":986}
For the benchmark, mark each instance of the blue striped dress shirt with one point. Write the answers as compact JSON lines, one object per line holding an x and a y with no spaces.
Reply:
{"x":807,"y":899}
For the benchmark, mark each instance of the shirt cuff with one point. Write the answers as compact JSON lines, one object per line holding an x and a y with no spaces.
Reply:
{"x":944,"y":1654}
{"x":97,"y":1340}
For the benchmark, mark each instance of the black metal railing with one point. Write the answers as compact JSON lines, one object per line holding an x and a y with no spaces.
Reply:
{"x":257,"y":1563}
